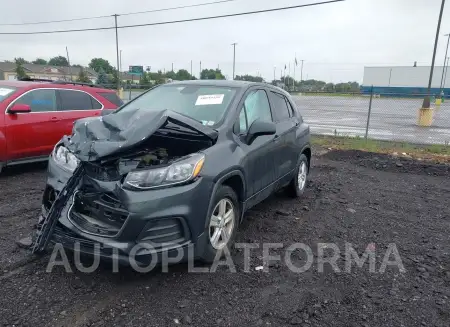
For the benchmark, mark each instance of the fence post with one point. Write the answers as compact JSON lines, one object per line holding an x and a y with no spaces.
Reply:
{"x":368,"y":114}
{"x":129,"y":94}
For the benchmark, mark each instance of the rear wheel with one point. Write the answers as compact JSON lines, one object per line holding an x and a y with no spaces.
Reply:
{"x":222,"y":222}
{"x":298,"y":183}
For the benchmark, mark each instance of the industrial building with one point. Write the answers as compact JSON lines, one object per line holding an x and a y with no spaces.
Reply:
{"x":404,"y":80}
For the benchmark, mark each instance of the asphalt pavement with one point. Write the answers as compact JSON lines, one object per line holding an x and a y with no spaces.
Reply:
{"x":390,"y":119}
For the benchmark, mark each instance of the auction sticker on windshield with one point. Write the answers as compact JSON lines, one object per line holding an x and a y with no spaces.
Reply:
{"x":209,"y":99}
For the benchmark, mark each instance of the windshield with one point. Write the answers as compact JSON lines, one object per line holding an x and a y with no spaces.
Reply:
{"x":5,"y":92}
{"x":206,"y":104}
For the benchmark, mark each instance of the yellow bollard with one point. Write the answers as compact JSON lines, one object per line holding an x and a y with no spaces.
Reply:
{"x":425,"y":117}
{"x":438,"y":101}
{"x":120,"y":93}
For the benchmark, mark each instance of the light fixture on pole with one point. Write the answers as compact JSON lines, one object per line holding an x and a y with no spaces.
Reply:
{"x":234,"y":58}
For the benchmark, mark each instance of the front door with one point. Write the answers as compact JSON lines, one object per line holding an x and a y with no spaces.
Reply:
{"x":34,"y":134}
{"x":259,"y":158}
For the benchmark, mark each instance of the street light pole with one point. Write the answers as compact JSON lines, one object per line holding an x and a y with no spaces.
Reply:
{"x":120,"y":60}
{"x":234,"y":57}
{"x":274,"y":69}
{"x":445,"y":58}
{"x":117,"y":52}
{"x":301,"y":73}
{"x":426,"y":100}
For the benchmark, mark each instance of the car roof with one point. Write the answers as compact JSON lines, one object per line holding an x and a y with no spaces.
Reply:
{"x":226,"y":83}
{"x":33,"y":85}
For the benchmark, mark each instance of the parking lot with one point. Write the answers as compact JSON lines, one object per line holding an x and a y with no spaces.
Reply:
{"x":393,"y":119}
{"x":352,"y":197}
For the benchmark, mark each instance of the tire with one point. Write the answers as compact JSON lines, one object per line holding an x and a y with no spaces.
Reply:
{"x":224,"y":195}
{"x":297,"y":186}
{"x":2,"y":165}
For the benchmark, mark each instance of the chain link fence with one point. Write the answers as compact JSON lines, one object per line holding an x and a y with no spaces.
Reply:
{"x":385,"y":116}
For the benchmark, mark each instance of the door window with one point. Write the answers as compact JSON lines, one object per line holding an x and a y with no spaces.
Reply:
{"x":77,"y":100}
{"x":40,"y":100}
{"x":256,"y":106}
{"x":282,"y":110}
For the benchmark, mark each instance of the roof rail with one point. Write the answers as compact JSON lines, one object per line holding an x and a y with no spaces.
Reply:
{"x":29,"y":79}
{"x":74,"y":83}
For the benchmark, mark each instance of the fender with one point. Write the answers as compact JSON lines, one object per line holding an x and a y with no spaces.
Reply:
{"x":218,"y":181}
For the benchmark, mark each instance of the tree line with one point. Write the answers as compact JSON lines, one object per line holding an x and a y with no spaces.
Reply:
{"x":107,"y":75}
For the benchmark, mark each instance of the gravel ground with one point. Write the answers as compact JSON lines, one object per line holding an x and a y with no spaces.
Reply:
{"x":353,"y":197}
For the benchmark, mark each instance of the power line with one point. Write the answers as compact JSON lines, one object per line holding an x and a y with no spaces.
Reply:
{"x":175,"y":21}
{"x":124,"y":14}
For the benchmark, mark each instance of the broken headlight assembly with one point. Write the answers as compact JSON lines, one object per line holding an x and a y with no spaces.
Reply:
{"x":64,"y":158}
{"x":181,"y":171}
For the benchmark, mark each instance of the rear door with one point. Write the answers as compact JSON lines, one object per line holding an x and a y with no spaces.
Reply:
{"x":259,"y":159}
{"x":287,"y":122}
{"x":32,"y":134}
{"x":73,"y":105}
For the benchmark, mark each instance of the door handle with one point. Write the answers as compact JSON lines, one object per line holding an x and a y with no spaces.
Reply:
{"x":54,"y":119}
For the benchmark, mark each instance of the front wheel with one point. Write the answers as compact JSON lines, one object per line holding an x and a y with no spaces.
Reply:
{"x":222,"y":222}
{"x":298,"y":183}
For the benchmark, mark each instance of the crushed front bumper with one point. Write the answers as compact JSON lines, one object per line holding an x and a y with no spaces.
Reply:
{"x":128,"y":223}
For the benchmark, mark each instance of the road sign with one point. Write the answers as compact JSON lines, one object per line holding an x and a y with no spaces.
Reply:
{"x":136,"y":70}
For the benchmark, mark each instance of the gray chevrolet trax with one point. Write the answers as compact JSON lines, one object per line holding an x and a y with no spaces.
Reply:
{"x":175,"y":168}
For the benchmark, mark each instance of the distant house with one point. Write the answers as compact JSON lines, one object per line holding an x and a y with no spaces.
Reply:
{"x":8,"y":72}
{"x":129,"y":79}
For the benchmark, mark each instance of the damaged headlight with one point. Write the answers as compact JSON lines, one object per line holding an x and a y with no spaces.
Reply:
{"x":178,"y":172}
{"x":64,"y":158}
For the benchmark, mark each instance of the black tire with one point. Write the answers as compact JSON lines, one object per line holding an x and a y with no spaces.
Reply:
{"x":293,"y":189}
{"x":223,"y":192}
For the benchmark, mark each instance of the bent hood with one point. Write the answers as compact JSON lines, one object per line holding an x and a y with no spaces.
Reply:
{"x":99,"y":137}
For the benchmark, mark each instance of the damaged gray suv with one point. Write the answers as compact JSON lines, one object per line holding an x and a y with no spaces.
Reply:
{"x":175,"y":168}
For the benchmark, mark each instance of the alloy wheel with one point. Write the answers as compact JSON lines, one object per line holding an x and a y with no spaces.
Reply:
{"x":221,"y":224}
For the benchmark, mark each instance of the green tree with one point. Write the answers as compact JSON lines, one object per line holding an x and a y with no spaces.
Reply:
{"x":183,"y":75}
{"x":98,"y":64}
{"x":249,"y":78}
{"x":39,"y":61}
{"x":171,"y":75}
{"x":102,"y":78}
{"x":211,"y":74}
{"x":145,"y":82}
{"x":77,"y":65}
{"x":20,"y":60}
{"x":58,"y":61}
{"x":329,"y":87}
{"x":83,"y":77}
{"x":20,"y":71}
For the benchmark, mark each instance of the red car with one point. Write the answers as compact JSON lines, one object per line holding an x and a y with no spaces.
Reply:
{"x":35,"y":115}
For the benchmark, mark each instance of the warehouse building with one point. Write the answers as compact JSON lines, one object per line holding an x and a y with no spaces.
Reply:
{"x":404,"y":81}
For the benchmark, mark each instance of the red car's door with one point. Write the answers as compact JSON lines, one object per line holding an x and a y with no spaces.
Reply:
{"x":33,"y":134}
{"x":75,"y":104}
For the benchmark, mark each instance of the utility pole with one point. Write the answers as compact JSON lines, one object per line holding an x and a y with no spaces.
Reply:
{"x":68,"y":62}
{"x":445,"y":59}
{"x":200,"y":75}
{"x":120,"y":60}
{"x":301,"y":72}
{"x":172,"y":66}
{"x":274,"y":69}
{"x":445,"y":76}
{"x":191,"y":69}
{"x":117,"y":52}
{"x":426,"y":100}
{"x":234,"y":58}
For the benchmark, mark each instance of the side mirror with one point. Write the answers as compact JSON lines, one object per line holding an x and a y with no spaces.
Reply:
{"x":19,"y":108}
{"x":259,"y":128}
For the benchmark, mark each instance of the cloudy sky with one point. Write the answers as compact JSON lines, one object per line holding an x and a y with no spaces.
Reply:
{"x":336,"y":40}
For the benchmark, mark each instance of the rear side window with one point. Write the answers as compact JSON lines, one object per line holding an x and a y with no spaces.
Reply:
{"x":282,"y":109}
{"x":40,"y":100}
{"x":77,"y":100}
{"x":5,"y":92}
{"x":112,"y":97}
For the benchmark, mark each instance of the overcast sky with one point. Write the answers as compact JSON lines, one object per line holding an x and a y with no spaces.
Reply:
{"x":336,"y":40}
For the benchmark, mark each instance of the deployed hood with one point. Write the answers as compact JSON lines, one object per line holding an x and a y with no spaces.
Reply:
{"x":99,"y":137}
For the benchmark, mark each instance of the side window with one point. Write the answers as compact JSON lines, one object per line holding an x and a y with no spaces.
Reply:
{"x":256,"y":106}
{"x":95,"y":103}
{"x":40,"y":100}
{"x":75,"y":100}
{"x":280,"y":106}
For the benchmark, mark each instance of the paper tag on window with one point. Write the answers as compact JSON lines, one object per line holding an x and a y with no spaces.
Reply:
{"x":4,"y":92}
{"x":209,"y":99}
